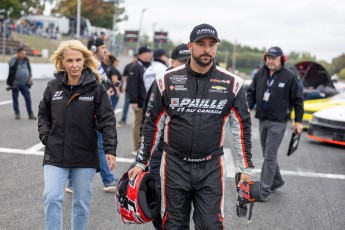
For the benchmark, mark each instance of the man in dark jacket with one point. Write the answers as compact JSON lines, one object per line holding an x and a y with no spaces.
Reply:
{"x":195,"y":103}
{"x":136,"y":90}
{"x":20,"y":79}
{"x":274,"y":90}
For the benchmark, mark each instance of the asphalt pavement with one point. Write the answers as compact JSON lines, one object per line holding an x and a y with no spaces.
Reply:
{"x":312,"y":197}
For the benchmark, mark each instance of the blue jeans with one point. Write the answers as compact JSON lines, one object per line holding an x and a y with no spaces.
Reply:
{"x":114,"y":100}
{"x":125,"y":107}
{"x":25,"y":91}
{"x":54,"y":187}
{"x":107,"y":176}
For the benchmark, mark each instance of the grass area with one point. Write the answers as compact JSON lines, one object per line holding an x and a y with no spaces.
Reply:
{"x":39,"y":43}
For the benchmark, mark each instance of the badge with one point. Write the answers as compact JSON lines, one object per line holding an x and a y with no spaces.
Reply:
{"x":266,"y":96}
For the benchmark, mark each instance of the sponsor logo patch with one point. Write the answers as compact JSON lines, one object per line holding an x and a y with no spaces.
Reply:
{"x":218,"y":89}
{"x":90,"y":98}
{"x":57,"y":95}
{"x":178,"y":79}
{"x":220,"y":81}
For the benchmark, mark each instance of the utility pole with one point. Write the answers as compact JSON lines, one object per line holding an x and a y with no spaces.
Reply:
{"x":153,"y":34}
{"x":140,"y":24}
{"x":234,"y":57}
{"x":78,"y":19}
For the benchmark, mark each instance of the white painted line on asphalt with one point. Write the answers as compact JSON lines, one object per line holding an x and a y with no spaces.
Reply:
{"x":307,"y":174}
{"x":230,"y":167}
{"x":35,"y":148}
{"x":21,"y":151}
{"x":5,"y":102}
{"x":229,"y":163}
{"x":32,"y":151}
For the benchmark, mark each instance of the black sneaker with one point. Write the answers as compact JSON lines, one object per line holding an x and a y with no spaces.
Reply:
{"x":17,"y":116}
{"x":32,"y":117}
{"x":276,"y":186}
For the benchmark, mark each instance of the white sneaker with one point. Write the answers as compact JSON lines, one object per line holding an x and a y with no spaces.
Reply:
{"x":118,"y":125}
{"x":69,"y":189}
{"x":110,"y":188}
{"x":134,"y":153}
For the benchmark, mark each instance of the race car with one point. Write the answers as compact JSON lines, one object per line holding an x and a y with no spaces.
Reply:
{"x":312,"y":106}
{"x":328,"y":126}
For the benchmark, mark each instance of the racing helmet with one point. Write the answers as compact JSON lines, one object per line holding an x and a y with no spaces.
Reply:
{"x":138,"y":200}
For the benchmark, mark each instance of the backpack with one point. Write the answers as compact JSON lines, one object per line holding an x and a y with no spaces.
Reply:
{"x":12,"y":73}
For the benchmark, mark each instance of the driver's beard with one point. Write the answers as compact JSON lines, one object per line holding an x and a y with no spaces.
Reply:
{"x":200,"y":63}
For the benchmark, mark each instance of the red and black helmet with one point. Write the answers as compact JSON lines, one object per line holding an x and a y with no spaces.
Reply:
{"x":138,"y":200}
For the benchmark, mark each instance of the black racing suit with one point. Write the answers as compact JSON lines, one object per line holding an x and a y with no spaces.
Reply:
{"x":196,"y":110}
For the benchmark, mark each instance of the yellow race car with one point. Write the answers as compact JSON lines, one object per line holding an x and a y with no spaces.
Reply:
{"x":317,"y":84}
{"x":312,"y":106}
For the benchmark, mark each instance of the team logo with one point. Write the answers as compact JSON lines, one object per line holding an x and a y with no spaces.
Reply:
{"x":178,"y":79}
{"x":237,"y":85}
{"x":218,"y":89}
{"x":160,"y":83}
{"x":175,"y":102}
{"x":171,"y":87}
{"x":57,"y":95}
{"x":86,"y":98}
{"x":180,"y":88}
{"x":220,"y":81}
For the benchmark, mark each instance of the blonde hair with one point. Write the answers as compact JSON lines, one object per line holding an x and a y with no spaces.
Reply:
{"x":90,"y":61}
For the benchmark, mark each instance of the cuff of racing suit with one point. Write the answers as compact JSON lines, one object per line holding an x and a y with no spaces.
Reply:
{"x":246,"y":171}
{"x":140,"y":165}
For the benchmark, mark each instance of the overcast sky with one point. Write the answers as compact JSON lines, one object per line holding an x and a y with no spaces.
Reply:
{"x":313,"y":26}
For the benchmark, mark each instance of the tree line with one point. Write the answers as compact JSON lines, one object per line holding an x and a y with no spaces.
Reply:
{"x":245,"y":57}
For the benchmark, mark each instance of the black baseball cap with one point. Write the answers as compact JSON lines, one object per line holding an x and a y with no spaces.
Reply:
{"x":94,"y":41}
{"x":180,"y":52}
{"x":159,"y":53}
{"x":203,"y":31}
{"x":144,"y":49}
{"x":274,"y":51}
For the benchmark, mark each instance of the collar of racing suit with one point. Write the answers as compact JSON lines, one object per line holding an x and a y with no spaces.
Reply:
{"x":208,"y":74}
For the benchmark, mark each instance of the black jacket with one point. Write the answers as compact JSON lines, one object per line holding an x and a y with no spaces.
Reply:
{"x":285,"y":93}
{"x":68,"y":120}
{"x":135,"y":83}
{"x":196,"y":110}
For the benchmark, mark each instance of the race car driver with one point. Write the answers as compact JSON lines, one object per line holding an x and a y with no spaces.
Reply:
{"x":196,"y":103}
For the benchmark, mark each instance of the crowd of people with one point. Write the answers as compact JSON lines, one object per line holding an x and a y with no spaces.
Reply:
{"x":182,"y":110}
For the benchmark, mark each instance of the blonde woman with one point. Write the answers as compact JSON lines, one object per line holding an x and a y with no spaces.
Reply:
{"x":74,"y":107}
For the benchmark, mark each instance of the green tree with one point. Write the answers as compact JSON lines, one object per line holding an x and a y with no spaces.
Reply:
{"x":339,"y":63}
{"x":342,"y":74}
{"x":17,"y":8}
{"x":99,"y":12}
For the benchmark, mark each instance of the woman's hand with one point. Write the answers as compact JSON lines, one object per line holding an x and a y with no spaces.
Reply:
{"x":111,"y":159}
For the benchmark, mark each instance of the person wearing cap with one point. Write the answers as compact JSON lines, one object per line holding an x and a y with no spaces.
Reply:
{"x":159,"y":65}
{"x":99,"y":50}
{"x":124,"y":89}
{"x":179,"y":55}
{"x":192,"y":106}
{"x":136,"y":90}
{"x":275,"y":90}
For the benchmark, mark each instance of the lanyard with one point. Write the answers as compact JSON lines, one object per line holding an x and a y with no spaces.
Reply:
{"x":270,"y":82}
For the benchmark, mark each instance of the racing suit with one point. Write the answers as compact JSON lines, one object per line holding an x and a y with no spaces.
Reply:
{"x":196,"y":110}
